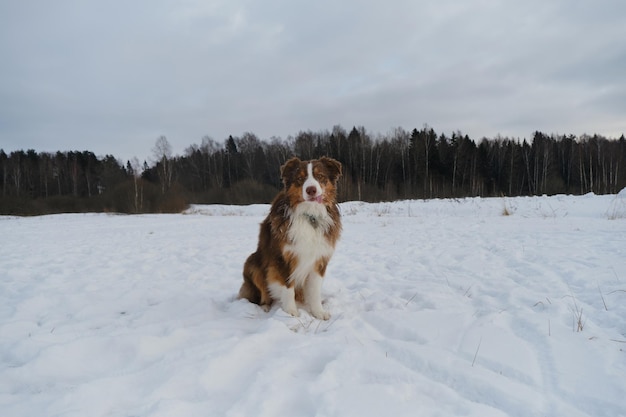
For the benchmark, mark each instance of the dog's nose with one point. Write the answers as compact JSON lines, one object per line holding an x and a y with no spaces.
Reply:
{"x":311,"y":191}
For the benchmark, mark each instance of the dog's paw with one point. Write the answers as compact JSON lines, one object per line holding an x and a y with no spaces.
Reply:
{"x":320,"y":314}
{"x":292,"y":311}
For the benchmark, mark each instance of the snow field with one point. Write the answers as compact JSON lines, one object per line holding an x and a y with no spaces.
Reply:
{"x":441,"y":307}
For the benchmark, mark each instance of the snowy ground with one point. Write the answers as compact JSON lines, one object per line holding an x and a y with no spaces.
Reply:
{"x":439,"y":308}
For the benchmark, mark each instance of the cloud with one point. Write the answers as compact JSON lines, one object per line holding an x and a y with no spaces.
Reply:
{"x":113,"y":76}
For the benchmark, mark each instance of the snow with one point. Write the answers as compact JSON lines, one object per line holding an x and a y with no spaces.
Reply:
{"x":439,"y":308}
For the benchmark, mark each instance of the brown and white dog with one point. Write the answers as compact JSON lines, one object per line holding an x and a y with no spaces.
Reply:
{"x":297,"y":239}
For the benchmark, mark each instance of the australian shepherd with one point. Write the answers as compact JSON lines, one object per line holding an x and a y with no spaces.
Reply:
{"x":296,"y":240}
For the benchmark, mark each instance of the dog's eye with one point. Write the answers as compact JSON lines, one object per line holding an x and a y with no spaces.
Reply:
{"x":322,"y":179}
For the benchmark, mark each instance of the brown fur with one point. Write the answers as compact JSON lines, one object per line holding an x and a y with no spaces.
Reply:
{"x":271,"y":263}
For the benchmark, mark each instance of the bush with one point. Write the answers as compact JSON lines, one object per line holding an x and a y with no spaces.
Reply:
{"x":242,"y":192}
{"x":173,"y":201}
{"x":20,"y":206}
{"x":120,"y":199}
{"x":16,"y":206}
{"x":145,"y":198}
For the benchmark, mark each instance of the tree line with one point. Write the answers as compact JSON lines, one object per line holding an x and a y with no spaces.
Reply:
{"x":245,"y":169}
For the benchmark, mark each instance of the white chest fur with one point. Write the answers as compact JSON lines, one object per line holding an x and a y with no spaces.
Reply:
{"x":307,"y":240}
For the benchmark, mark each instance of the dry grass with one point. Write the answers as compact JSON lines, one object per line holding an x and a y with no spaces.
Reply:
{"x":617,"y":209}
{"x":578,"y":323}
{"x":507,"y":209}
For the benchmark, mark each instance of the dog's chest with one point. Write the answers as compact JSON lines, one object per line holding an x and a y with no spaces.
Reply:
{"x":308,"y":242}
{"x":307,"y":238}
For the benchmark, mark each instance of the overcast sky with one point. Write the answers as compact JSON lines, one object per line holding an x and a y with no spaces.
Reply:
{"x":112,"y":76}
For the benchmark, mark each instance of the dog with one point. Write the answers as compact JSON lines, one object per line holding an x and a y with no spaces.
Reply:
{"x":296,"y":239}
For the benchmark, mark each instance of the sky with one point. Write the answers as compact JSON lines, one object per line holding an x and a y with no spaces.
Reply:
{"x":113,"y":76}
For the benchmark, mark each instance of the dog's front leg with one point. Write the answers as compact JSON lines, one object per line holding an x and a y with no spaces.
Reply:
{"x":313,"y":296}
{"x":286,"y":296}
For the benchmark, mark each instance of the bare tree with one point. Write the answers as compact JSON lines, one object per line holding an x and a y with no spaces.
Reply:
{"x":137,"y":169}
{"x":162,"y":152}
{"x":248,"y":146}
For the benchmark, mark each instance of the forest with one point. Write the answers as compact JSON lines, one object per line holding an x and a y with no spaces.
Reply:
{"x":414,"y":164}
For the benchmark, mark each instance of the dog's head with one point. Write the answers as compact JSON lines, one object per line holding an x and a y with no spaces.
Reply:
{"x":313,"y":181}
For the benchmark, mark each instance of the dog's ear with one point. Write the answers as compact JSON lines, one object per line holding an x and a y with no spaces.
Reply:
{"x":288,"y":170}
{"x":333,"y":167}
